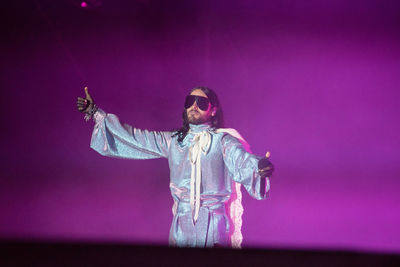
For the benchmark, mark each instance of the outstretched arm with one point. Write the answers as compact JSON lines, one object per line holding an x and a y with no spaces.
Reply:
{"x":111,"y":138}
{"x":246,"y":168}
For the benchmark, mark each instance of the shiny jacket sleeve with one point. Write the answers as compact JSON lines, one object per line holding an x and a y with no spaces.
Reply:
{"x":111,"y":138}
{"x":243,"y":167}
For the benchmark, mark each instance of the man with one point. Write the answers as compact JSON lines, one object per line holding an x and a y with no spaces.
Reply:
{"x":207,"y":165}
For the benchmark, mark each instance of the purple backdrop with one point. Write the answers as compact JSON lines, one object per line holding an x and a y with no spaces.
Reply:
{"x":316,"y":84}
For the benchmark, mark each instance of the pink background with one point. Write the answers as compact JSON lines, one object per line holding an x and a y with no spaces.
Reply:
{"x":317,"y":84}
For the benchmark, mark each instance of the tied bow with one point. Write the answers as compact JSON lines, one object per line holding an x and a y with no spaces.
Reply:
{"x":201,"y":144}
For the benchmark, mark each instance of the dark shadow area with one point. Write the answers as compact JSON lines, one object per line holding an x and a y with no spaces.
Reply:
{"x":88,"y":254}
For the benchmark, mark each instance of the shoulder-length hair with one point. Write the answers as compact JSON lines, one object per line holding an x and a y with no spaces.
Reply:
{"x":217,"y":121}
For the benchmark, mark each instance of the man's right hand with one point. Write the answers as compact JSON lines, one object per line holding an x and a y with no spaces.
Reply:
{"x":85,"y":104}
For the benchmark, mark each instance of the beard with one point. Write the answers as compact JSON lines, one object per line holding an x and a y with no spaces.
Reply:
{"x":195,"y":118}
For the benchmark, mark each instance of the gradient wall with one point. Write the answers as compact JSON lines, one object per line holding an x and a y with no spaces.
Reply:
{"x":315,"y":82}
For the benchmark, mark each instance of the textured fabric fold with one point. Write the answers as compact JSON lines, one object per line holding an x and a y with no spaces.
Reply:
{"x":202,"y":170}
{"x":234,"y":206}
{"x":111,"y":138}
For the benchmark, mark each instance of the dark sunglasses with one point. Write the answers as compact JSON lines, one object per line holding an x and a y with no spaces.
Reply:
{"x":201,"y":101}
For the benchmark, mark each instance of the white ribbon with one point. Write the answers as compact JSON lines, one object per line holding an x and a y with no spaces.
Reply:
{"x":201,"y":144}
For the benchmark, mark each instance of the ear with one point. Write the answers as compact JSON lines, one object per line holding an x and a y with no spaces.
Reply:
{"x":214,"y":111}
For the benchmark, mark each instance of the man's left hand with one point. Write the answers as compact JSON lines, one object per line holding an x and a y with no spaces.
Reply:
{"x":265,"y":167}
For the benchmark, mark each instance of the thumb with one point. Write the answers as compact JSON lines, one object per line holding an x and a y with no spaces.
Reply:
{"x":88,"y":97}
{"x":268,"y":155}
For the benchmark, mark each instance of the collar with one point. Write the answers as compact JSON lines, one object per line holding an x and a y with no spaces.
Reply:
{"x":199,"y":128}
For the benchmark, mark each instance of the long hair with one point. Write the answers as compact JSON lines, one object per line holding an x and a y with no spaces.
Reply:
{"x":217,"y":121}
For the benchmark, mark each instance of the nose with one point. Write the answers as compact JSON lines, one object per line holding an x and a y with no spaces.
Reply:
{"x":195,"y":105}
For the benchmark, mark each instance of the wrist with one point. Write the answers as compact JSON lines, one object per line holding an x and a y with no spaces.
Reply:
{"x":90,"y":111}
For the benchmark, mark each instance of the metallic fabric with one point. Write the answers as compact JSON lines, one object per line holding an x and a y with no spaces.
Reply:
{"x":226,"y":161}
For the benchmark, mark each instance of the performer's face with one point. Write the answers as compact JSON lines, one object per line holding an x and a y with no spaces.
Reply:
{"x":195,"y":114}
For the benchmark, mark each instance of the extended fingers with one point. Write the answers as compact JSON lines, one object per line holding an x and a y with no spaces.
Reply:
{"x":87,"y":94}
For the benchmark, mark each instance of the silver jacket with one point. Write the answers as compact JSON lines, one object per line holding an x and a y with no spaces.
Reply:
{"x":222,"y":160}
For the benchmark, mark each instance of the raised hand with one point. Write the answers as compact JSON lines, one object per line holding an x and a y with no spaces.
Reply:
{"x":85,"y":104}
{"x":265,"y":167}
